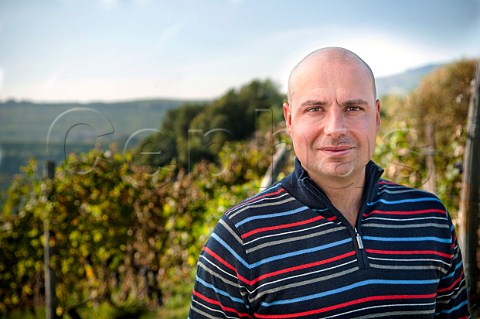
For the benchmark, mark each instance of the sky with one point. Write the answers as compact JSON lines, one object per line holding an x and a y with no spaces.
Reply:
{"x":117,"y":50}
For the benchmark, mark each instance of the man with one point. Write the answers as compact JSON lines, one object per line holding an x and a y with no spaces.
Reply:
{"x":332,"y":240}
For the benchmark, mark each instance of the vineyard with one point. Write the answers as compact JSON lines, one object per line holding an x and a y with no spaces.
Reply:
{"x":126,"y":228}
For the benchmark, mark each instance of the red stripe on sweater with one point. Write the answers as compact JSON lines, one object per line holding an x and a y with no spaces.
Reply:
{"x":278,"y":272}
{"x":449,"y":288}
{"x":343,"y":305}
{"x":408,"y":252}
{"x":264,"y":229}
{"x":253,"y":199}
{"x":217,"y":303}
{"x":401,"y":213}
{"x":300,"y":267}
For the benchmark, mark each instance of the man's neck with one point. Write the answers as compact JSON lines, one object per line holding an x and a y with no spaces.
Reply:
{"x":345,"y":195}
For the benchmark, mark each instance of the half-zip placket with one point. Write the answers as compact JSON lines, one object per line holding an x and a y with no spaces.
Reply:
{"x":359,"y":239}
{"x":353,"y":231}
{"x":361,"y":254}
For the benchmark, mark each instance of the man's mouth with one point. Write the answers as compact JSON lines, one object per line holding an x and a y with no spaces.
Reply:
{"x":337,"y":149}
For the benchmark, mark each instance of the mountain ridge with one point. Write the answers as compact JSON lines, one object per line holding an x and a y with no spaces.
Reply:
{"x":404,"y":82}
{"x":31,"y":129}
{"x":28,"y":121}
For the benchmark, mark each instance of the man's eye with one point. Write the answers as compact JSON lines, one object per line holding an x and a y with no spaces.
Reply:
{"x":354,"y":108}
{"x":313,"y":109}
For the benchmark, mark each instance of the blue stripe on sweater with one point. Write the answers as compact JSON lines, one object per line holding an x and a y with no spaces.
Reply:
{"x":286,"y":213}
{"x":218,"y":291}
{"x":391,"y":239}
{"x":352,"y":286}
{"x":278,"y":257}
{"x":454,"y":273}
{"x":408,"y":200}
{"x":464,"y":303}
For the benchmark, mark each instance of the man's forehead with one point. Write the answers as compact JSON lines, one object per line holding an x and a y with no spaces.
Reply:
{"x":328,"y":56}
{"x":320,"y":68}
{"x":326,"y":63}
{"x":340,"y":95}
{"x":313,"y":85}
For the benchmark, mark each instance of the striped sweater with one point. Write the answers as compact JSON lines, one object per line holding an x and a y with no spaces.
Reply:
{"x":289,"y":253}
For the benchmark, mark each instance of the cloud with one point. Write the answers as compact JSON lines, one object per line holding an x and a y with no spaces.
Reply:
{"x":386,"y":52}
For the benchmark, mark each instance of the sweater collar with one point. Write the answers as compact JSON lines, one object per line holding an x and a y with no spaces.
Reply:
{"x":303,"y":188}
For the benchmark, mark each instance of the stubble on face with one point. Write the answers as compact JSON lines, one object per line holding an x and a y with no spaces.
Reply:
{"x":338,"y":155}
{"x":319,"y":161}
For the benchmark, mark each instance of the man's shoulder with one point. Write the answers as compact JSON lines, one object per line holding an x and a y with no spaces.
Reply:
{"x":269,"y":201}
{"x":391,"y":193}
{"x":399,"y":190}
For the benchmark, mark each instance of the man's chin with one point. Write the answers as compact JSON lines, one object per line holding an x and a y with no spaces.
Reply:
{"x":338,"y":170}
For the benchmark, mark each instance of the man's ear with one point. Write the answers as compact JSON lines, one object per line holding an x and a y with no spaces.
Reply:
{"x":287,"y":114}
{"x":377,"y":106}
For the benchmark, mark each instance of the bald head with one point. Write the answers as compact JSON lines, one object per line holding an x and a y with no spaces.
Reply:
{"x":319,"y":59}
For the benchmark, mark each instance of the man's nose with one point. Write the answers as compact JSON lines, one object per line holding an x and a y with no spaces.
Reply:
{"x":335,"y":122}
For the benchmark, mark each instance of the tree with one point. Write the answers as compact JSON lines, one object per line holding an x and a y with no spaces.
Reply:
{"x":198,"y":132}
{"x":441,"y":100}
{"x":171,"y":140}
{"x":116,"y":229}
{"x":470,"y":199}
{"x":120,"y":234}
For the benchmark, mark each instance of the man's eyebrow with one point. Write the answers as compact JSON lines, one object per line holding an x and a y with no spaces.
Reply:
{"x":313,"y":103}
{"x":355,"y":102}
{"x":347,"y":102}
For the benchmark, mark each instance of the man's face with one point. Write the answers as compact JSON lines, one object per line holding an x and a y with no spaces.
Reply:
{"x":332,"y":118}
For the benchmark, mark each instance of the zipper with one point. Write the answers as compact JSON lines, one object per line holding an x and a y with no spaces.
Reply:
{"x":360,"y":249}
{"x":359,"y":239}
{"x":353,"y":231}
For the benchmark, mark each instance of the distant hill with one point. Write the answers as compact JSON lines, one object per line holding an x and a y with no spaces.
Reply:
{"x":403,"y":83}
{"x":25,"y":126}
{"x":30,"y":122}
{"x":72,"y":127}
{"x":24,"y":121}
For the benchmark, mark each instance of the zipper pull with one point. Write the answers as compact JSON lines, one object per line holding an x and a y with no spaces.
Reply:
{"x":359,"y":239}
